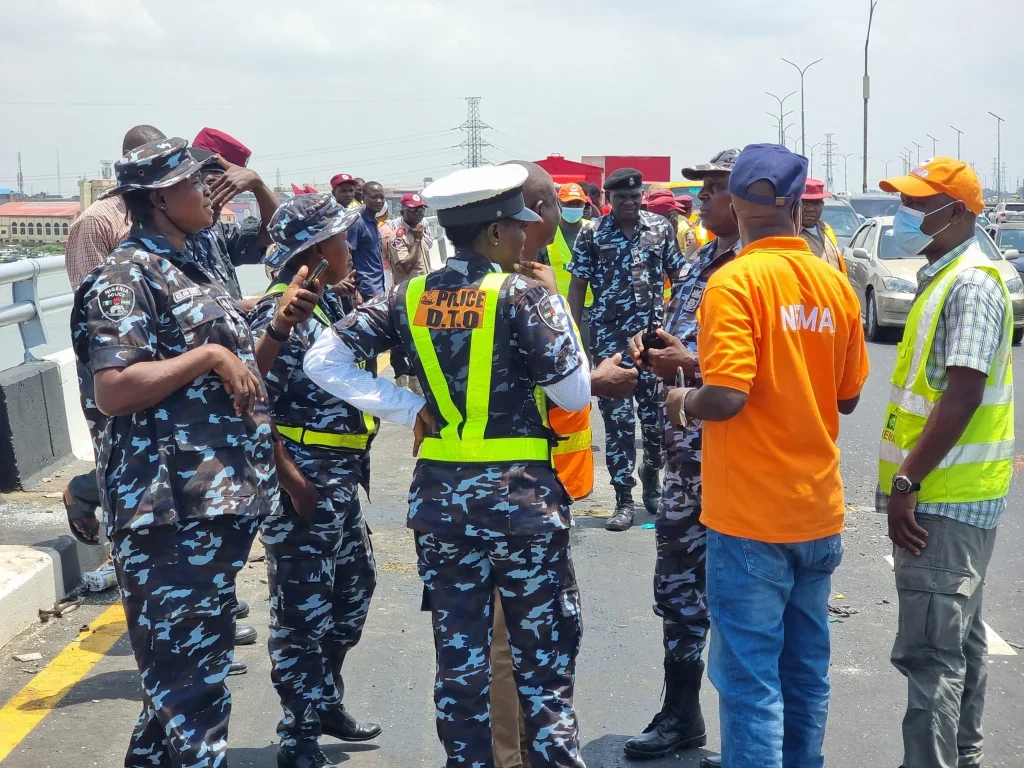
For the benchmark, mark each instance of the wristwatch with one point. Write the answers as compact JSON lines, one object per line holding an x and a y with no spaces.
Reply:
{"x":903,"y":484}
{"x":687,"y":422}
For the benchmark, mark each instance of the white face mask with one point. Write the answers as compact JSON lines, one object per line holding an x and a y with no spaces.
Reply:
{"x":572,"y":215}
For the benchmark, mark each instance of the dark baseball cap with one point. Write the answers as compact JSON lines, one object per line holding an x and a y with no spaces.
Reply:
{"x":784,"y":170}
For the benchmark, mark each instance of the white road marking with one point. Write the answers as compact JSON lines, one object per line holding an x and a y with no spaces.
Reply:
{"x":996,"y":645}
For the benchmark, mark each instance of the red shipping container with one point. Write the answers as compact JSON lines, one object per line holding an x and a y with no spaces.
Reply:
{"x":652,"y":167}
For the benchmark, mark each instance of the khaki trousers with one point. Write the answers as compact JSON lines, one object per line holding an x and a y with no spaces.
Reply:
{"x":508,"y":728}
{"x":940,"y":644}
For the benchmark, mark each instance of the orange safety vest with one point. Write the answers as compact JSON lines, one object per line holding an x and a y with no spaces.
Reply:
{"x":573,"y":457}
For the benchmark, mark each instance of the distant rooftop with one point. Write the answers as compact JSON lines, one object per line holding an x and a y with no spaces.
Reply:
{"x":58,"y":209}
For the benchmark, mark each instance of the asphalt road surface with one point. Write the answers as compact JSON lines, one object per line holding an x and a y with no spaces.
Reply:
{"x":87,"y":721}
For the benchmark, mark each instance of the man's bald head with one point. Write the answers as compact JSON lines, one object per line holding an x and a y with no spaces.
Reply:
{"x":139,"y":135}
{"x":541,"y":198}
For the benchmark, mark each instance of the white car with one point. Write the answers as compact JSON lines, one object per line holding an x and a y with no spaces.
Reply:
{"x":885,"y":279}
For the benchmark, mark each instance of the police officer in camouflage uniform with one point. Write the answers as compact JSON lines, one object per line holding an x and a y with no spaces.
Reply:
{"x":185,"y":456}
{"x":320,"y":565}
{"x":624,"y":259}
{"x":486,"y":505}
{"x":679,"y":576}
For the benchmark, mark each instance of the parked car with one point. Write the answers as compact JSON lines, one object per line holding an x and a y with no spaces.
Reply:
{"x":885,"y":279}
{"x":1009,"y":238}
{"x":844,"y":221}
{"x":1008,"y":210}
{"x":875,"y":204}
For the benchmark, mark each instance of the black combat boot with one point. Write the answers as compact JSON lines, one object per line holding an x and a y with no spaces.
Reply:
{"x":335,"y":720}
{"x":680,"y":724}
{"x":650,"y":477}
{"x":317,"y":759}
{"x":622,"y":518}
{"x":245,"y":634}
{"x":711,"y":761}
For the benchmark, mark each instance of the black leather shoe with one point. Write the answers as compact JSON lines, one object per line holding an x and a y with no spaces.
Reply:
{"x":650,"y":478}
{"x":241,"y":609}
{"x":318,"y":759}
{"x":711,"y":761}
{"x":337,"y":722}
{"x":245,"y":634}
{"x":237,"y":668}
{"x":680,"y":724}
{"x":622,"y":517}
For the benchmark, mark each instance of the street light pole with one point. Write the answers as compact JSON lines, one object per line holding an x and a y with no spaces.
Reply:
{"x":918,"y":151}
{"x":959,"y":133}
{"x":803,"y":123}
{"x":999,"y":156}
{"x":867,"y":93}
{"x":886,"y":164}
{"x":782,"y":103}
{"x":846,"y":157}
{"x":934,"y":144}
{"x":811,"y":156}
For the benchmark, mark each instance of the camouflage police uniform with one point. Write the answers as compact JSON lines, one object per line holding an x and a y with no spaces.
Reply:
{"x":183,"y":483}
{"x":484,"y":526}
{"x":222,"y":247}
{"x":321,"y":574}
{"x":679,"y":577}
{"x":626,"y":276}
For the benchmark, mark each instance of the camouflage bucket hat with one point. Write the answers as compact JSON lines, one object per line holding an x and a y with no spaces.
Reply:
{"x":723,"y":162}
{"x":302,"y":222}
{"x":156,"y":165}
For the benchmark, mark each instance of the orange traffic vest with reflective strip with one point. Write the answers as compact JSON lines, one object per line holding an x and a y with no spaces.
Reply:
{"x":573,"y":457}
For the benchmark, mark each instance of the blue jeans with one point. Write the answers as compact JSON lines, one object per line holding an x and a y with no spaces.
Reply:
{"x":770,"y":646}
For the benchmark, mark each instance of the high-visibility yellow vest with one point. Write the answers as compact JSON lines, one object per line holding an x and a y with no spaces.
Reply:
{"x":560,"y":254}
{"x":462,"y":439}
{"x":980,"y":466}
{"x":344,"y":441}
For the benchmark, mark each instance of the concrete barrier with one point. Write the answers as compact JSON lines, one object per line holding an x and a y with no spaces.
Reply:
{"x":29,"y":580}
{"x":34,"y":432}
{"x":78,"y":430}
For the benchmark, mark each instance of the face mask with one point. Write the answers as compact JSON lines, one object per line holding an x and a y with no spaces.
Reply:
{"x":906,"y":230}
{"x":572,"y":215}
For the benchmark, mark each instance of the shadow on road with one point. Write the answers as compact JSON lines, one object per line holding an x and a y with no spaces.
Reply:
{"x":266,"y":757}
{"x":606,"y":752}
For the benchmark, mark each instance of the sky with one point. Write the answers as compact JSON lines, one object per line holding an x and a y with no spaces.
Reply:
{"x":378,"y":89}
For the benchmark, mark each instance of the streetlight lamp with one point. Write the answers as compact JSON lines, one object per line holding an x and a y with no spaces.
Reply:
{"x":803,"y":124}
{"x":846,"y":157}
{"x":886,"y":164}
{"x":811,"y":157}
{"x":934,"y":144}
{"x":782,"y":103}
{"x":959,"y":133}
{"x":867,"y":92}
{"x":999,"y":156}
{"x":778,"y":124}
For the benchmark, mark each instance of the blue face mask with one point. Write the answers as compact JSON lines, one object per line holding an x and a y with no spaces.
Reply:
{"x":572,"y":215}
{"x":906,"y":230}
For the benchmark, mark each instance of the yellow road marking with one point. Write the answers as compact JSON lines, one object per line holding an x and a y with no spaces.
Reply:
{"x":44,"y":691}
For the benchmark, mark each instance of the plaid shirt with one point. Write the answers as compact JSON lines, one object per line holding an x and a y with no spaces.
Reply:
{"x":968,"y":335}
{"x":94,"y":236}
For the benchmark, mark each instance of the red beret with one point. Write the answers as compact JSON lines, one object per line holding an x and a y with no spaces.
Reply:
{"x":220,"y":143}
{"x":341,"y":178}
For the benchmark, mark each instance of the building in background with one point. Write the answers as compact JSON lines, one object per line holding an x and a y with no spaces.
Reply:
{"x":90,"y":189}
{"x":10,"y":195}
{"x":654,"y":168}
{"x":564,"y":171}
{"x":36,"y":222}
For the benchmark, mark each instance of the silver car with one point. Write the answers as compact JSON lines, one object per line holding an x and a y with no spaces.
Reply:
{"x":885,"y":279}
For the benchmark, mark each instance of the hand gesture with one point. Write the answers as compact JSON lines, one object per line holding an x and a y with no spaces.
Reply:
{"x":903,"y":528}
{"x":425,"y":426}
{"x":542,"y":273}
{"x":239,"y":382}
{"x":297,"y":303}
{"x":610,"y":379}
{"x":347,"y":288}
{"x":666,"y":362}
{"x":235,"y":180}
{"x":304,"y":499}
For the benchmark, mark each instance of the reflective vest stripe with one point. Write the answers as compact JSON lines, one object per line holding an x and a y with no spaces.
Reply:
{"x":318,"y":437}
{"x":560,"y":254}
{"x":577,"y":441}
{"x":461,"y":439}
{"x":980,"y":466}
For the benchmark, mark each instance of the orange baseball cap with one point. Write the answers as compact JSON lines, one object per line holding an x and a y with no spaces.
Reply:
{"x":572,"y":192}
{"x":940,"y":175}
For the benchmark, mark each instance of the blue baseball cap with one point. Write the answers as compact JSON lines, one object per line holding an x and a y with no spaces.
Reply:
{"x":785,"y":170}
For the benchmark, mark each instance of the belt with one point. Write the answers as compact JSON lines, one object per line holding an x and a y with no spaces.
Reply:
{"x":317,"y":439}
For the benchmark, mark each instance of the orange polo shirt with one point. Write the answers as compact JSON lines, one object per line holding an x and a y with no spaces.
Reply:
{"x":784,"y":327}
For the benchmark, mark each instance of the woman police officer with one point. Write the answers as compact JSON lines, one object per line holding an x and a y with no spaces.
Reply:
{"x":184,"y":451}
{"x":320,"y":564}
{"x":486,"y":505}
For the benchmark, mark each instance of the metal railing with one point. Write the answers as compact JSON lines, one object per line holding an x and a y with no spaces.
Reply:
{"x":27,"y":306}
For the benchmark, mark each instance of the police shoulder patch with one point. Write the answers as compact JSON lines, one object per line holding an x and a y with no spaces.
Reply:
{"x":116,"y":301}
{"x":551,"y":317}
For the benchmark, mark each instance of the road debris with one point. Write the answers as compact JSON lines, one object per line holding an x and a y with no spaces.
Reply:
{"x":61,"y":607}
{"x":101,"y":579}
{"x":842,"y":611}
{"x":28,"y":656}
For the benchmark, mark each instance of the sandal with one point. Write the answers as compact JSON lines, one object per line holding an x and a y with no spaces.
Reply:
{"x":78,"y":512}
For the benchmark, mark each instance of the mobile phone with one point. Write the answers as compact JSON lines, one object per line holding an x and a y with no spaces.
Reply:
{"x":320,"y":269}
